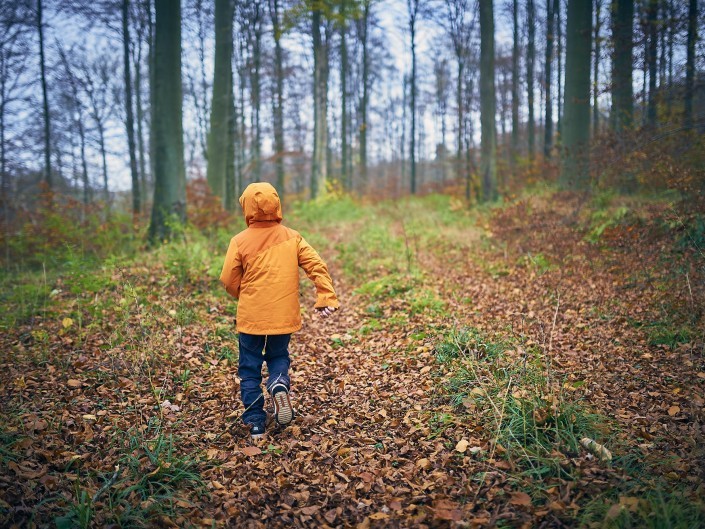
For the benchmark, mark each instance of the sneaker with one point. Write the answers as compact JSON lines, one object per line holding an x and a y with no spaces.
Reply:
{"x":257,"y":431}
{"x":283,"y":412}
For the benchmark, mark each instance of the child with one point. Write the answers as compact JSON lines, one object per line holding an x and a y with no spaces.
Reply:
{"x":262,"y":270}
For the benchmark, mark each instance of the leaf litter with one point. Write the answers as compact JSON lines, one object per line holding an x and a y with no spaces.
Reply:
{"x":377,"y":441}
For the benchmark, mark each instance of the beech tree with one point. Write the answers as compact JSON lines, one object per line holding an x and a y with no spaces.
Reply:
{"x":488,"y":164}
{"x":220,"y":140}
{"x":622,"y":64}
{"x":576,"y":120}
{"x":169,"y":207}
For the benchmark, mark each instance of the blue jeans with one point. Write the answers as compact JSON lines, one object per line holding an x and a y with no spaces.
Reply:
{"x":276,"y":354}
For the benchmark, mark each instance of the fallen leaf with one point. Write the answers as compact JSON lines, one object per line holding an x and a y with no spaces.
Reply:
{"x":251,"y":451}
{"x":73,"y":383}
{"x":674,"y":410}
{"x":520,"y":498}
{"x":462,"y":445}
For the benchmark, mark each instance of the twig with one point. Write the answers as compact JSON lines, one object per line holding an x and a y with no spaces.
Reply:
{"x":690,"y":290}
{"x":106,"y":485}
{"x":555,"y":317}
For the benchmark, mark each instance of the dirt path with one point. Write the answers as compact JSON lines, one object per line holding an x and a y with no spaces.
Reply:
{"x":360,"y":451}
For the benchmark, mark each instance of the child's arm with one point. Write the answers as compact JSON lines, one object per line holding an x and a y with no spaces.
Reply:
{"x":317,"y":271}
{"x":232,"y":271}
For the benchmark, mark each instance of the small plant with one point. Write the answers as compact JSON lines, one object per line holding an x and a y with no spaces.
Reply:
{"x":79,"y":514}
{"x":658,"y":508}
{"x":603,"y":219}
{"x":538,"y":262}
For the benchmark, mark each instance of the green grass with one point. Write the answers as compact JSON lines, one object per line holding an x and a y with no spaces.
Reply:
{"x":152,"y":480}
{"x":658,"y":508}
{"x":511,"y":395}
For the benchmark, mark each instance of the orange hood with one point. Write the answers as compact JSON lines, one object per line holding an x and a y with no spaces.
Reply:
{"x":260,"y":202}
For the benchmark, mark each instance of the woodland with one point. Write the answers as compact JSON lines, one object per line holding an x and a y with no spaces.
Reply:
{"x":510,"y":198}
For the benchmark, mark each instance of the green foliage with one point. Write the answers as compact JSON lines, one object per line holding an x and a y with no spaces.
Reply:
{"x":8,"y":440}
{"x":538,"y":262}
{"x":692,"y":234}
{"x":149,"y":483}
{"x":194,"y":258}
{"x":330,"y":208}
{"x":53,"y":233}
{"x":390,"y":286}
{"x":507,"y":388}
{"x":654,"y":509}
{"x":468,"y":342}
{"x":602,"y":219}
{"x":22,"y":298}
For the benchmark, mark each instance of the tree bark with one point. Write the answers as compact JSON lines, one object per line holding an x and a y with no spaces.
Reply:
{"x":530,"y":57}
{"x":221,"y":102}
{"x":622,"y":65}
{"x":320,"y":107}
{"x":278,"y":111}
{"x":45,"y":98}
{"x":256,"y":91}
{"x":596,"y":68}
{"x":652,"y":53}
{"x":548,"y":118}
{"x":487,"y":102}
{"x":690,"y":64}
{"x":413,"y":9}
{"x":104,"y":161}
{"x":169,"y":207}
{"x":576,"y":128}
{"x":515,"y":80}
{"x":559,"y":70}
{"x":345,"y":177}
{"x":364,"y":103}
{"x":130,"y":120}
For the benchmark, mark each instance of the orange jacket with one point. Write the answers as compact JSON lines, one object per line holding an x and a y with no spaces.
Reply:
{"x":261,"y":267}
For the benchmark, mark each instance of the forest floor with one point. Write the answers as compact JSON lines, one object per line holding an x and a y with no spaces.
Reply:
{"x":472,"y":353}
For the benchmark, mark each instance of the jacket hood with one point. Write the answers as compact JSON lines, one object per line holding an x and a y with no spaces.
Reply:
{"x":260,"y":202}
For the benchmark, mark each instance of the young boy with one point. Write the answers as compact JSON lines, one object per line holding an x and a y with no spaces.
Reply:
{"x":261,"y":270}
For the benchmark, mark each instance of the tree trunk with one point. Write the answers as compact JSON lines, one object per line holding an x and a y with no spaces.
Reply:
{"x":652,"y":53}
{"x":690,"y":64}
{"x":169,"y":207}
{"x":103,"y":158}
{"x":130,"y":120}
{"x":140,"y":112}
{"x":576,"y":128}
{"x":622,"y":65}
{"x":559,"y":70}
{"x":515,"y":80}
{"x":140,"y":130}
{"x":221,"y":102}
{"x":45,"y":99}
{"x":530,"y":56}
{"x":548,"y":119}
{"x":256,"y":92}
{"x":278,"y":111}
{"x":344,"y":175}
{"x":320,"y":108}
{"x":232,"y":181}
{"x":596,"y":68}
{"x":365,"y":95}
{"x":413,"y":7}
{"x":487,"y":102}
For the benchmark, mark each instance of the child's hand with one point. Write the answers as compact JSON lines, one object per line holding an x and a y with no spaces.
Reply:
{"x":324,"y":312}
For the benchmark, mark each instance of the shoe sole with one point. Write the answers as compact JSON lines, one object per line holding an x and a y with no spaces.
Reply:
{"x":258,"y":437}
{"x":283,"y":411}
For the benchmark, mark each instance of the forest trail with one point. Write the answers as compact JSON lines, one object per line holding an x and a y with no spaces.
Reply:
{"x":468,"y":357}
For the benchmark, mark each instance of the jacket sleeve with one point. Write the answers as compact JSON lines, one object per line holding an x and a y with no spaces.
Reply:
{"x":232,"y":270}
{"x":317,"y":271}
